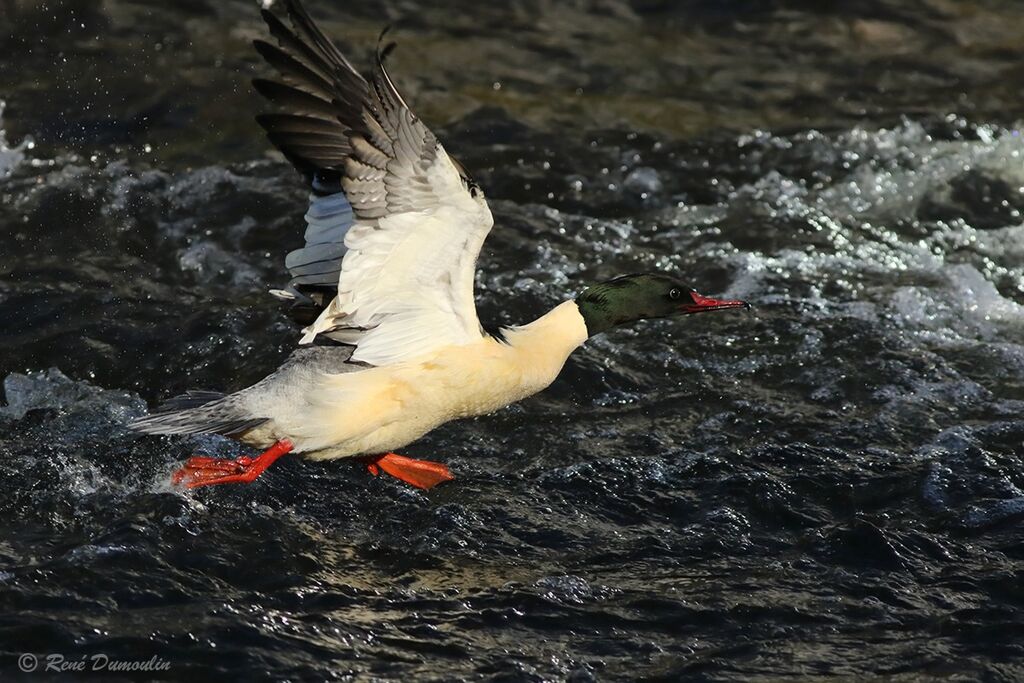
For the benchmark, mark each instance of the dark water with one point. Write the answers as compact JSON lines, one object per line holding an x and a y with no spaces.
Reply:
{"x":827,"y":486}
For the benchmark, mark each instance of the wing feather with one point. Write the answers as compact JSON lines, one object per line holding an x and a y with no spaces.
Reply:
{"x":406,"y":241}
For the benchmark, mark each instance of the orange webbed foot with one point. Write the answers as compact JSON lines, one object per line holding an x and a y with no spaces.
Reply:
{"x":422,"y":474}
{"x":205,"y":471}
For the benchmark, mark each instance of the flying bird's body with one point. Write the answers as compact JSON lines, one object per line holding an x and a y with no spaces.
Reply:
{"x":381,"y":409}
{"x":385,"y":280}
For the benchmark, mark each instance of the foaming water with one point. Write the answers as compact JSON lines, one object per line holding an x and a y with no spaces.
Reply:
{"x":9,"y":156}
{"x":831,"y":462}
{"x":827,"y":485}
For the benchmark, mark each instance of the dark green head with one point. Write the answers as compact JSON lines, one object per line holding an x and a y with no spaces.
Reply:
{"x":629,"y":298}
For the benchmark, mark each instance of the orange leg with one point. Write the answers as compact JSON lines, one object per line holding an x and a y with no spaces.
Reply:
{"x":422,"y":474}
{"x":203,"y":471}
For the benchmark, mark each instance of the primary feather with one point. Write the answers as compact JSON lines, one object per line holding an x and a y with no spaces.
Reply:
{"x":408,"y":259}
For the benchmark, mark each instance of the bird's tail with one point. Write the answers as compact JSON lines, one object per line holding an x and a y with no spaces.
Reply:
{"x":199,"y":412}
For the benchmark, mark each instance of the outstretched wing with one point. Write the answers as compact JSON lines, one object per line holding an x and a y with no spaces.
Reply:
{"x":409,"y":258}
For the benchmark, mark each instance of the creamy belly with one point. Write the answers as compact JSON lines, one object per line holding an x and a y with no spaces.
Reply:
{"x":385,"y":408}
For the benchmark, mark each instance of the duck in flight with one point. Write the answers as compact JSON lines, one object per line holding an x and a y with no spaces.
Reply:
{"x":393,"y":347}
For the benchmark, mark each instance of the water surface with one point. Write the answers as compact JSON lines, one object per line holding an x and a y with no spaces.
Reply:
{"x":827,"y":486}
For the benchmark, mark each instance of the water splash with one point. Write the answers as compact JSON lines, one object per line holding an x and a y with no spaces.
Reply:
{"x":10,"y":157}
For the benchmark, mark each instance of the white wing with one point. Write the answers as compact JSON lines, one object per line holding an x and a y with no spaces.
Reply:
{"x":406,"y":280}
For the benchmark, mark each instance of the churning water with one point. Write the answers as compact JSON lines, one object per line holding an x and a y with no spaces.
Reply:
{"x":831,"y":484}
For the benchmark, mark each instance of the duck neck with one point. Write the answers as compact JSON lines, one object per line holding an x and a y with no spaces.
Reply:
{"x":557,"y":333}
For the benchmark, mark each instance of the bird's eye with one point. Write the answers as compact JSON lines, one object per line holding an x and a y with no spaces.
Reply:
{"x":674,"y":293}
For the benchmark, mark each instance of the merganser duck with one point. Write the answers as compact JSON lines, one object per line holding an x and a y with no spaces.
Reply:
{"x":394,"y":228}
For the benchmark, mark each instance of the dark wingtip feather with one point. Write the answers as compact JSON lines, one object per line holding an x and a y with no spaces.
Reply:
{"x":318,"y":92}
{"x":383,"y":52}
{"x":264,"y":48}
{"x":293,"y":100}
{"x":297,"y":123}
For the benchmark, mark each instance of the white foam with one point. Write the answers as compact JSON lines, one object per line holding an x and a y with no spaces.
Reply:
{"x":865,"y":239}
{"x":10,"y":157}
